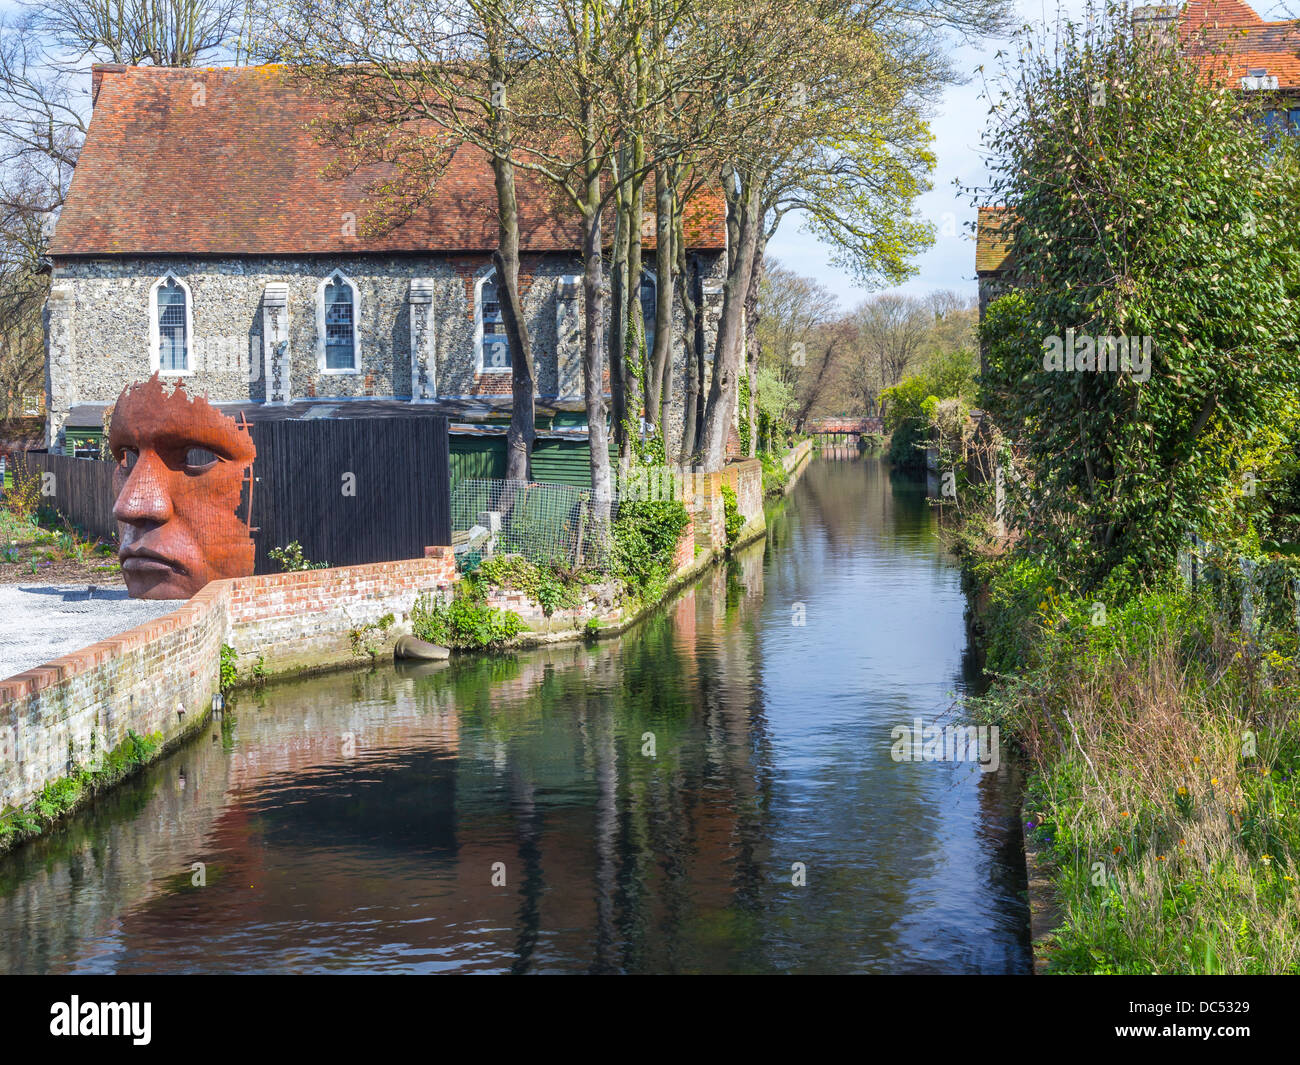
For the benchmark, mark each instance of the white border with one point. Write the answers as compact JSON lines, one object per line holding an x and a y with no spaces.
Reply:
{"x":355,"y":368}
{"x":155,"y":333}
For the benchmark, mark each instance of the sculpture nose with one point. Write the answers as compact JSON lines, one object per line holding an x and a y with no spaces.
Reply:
{"x":144,"y":497}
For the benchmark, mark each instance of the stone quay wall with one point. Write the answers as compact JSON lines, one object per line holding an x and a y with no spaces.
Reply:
{"x":161,"y":677}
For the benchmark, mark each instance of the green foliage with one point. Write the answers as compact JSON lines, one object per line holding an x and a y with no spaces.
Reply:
{"x":229,"y":670}
{"x":775,"y":399}
{"x":592,"y":628}
{"x":467,"y":621}
{"x":289,"y":558}
{"x":645,"y":536}
{"x":429,"y":620}
{"x":1176,"y":225}
{"x":742,"y":405}
{"x":910,"y":405}
{"x":59,"y":797}
{"x":22,"y":498}
{"x":775,"y":477}
{"x":731,"y":509}
{"x":1168,"y":818}
{"x":547,"y":585}
{"x":367,"y":640}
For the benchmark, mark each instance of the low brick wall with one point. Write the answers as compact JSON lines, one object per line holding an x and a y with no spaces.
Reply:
{"x":160,"y":677}
{"x":601,"y":603}
{"x":156,"y":678}
{"x":303,"y":620}
{"x":797,"y":456}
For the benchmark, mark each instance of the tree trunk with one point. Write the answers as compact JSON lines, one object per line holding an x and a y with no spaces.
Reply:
{"x":752,"y":349}
{"x":635,"y":344}
{"x":658,"y":385}
{"x":687,"y":289}
{"x":618,"y":312}
{"x":593,"y":354}
{"x":523,"y":425}
{"x":743,"y":204}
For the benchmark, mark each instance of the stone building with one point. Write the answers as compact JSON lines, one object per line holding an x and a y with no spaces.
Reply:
{"x":201,"y":238}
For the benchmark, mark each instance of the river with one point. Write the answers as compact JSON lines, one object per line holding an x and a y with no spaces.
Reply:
{"x":714,"y":791}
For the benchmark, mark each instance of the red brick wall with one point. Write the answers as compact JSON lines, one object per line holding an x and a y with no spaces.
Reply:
{"x":160,"y":676}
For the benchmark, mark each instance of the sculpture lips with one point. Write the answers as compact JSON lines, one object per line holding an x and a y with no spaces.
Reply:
{"x":148,"y":562}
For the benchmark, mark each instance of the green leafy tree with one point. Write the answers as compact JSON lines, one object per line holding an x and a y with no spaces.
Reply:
{"x":1149,"y":205}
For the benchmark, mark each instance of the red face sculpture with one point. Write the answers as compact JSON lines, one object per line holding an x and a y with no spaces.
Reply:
{"x":181,"y":466}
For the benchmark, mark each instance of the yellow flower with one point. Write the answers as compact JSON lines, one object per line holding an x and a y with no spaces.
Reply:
{"x":1182,"y":791}
{"x":1214,"y":781}
{"x":1123,"y":813}
{"x":1196,"y":759}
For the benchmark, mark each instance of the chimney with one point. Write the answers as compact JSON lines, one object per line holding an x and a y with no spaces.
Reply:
{"x":97,"y":73}
{"x":1160,"y":21}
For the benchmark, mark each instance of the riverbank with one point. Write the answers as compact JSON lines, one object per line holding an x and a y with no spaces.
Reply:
{"x":1161,"y":814}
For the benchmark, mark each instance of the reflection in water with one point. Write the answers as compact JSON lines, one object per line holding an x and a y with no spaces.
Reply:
{"x":638,"y":805}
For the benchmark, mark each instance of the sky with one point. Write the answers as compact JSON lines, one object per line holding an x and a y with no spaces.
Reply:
{"x":957,"y":124}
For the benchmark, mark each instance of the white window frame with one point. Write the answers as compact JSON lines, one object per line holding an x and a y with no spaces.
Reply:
{"x":155,"y":332}
{"x":355,"y":368}
{"x":484,"y":275}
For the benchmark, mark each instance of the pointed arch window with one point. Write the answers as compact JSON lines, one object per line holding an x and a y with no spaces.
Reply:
{"x":649,"y":295}
{"x":338,"y":310}
{"x":494,"y":355}
{"x":171,"y":325}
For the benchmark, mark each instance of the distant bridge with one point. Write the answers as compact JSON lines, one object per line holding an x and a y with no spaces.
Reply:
{"x":831,"y":432}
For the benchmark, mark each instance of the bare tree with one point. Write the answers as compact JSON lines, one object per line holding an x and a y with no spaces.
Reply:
{"x":44,"y":112}
{"x":164,"y":33}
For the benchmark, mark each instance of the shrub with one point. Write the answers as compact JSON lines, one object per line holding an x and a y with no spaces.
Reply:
{"x":229,"y":670}
{"x":645,"y":536}
{"x":731,"y":509}
{"x":23,"y":497}
{"x":544,"y":584}
{"x":1175,"y":231}
{"x":289,"y":558}
{"x":466,"y":622}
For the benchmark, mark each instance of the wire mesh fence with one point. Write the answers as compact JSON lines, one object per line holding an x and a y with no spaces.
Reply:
{"x":1260,"y":596}
{"x":549,"y":524}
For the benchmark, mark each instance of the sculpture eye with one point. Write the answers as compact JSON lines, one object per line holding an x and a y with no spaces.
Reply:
{"x":198,"y":459}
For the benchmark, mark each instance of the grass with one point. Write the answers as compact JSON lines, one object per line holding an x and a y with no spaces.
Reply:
{"x":1165,"y":758}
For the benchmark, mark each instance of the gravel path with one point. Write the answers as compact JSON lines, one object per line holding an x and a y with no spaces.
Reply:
{"x":41,"y":622}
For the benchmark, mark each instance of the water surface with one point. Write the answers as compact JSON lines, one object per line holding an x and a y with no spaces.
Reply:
{"x":642,"y":804}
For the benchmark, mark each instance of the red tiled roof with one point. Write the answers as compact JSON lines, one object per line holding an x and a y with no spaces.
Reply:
{"x":1222,"y":12}
{"x":241,"y":174}
{"x":1231,"y":40}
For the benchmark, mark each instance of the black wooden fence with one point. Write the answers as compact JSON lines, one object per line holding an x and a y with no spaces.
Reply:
{"x":350,"y":491}
{"x":79,"y":489}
